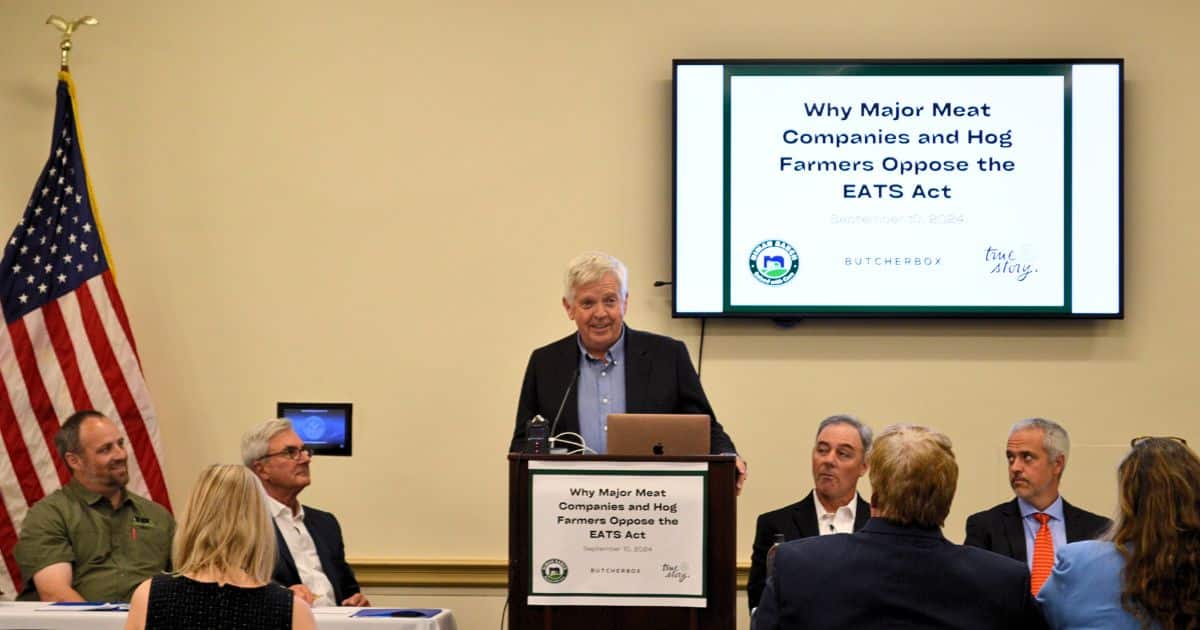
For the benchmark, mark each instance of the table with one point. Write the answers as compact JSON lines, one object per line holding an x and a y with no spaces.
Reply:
{"x":25,"y":615}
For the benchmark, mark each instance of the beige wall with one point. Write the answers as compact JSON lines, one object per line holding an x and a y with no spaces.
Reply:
{"x":372,"y":201}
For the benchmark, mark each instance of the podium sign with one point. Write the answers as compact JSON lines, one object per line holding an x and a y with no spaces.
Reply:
{"x":611,"y":533}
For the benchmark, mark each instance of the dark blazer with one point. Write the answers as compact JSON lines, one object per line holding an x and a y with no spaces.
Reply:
{"x":659,"y":378}
{"x":327,"y":537}
{"x":798,"y":520}
{"x":891,"y":576}
{"x":999,"y":529}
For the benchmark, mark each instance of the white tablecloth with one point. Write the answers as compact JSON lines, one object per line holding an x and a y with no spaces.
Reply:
{"x":26,"y":615}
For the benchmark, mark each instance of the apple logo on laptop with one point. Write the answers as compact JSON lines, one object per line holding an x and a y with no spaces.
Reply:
{"x":658,"y":448}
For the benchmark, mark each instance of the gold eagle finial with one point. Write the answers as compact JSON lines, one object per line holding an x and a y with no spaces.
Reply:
{"x":68,"y":28}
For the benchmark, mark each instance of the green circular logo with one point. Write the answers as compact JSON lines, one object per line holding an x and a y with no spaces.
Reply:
{"x":554,"y":570}
{"x":774,"y":262}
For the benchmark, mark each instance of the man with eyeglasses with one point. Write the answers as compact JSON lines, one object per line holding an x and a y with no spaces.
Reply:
{"x":311,"y":558}
{"x":1030,"y":527}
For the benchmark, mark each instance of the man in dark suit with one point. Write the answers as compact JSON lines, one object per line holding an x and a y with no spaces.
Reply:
{"x":898,"y":571}
{"x":839,"y":460}
{"x":606,"y":367}
{"x":311,"y":559}
{"x":1037,"y":455}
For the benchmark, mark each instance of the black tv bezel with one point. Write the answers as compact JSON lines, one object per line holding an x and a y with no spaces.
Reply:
{"x":786,"y":316}
{"x":348,"y":411}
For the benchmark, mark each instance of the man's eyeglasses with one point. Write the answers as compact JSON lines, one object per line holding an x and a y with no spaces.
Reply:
{"x":1138,"y":440}
{"x":292,"y":452}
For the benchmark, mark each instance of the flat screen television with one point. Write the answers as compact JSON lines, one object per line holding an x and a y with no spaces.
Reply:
{"x":898,"y":188}
{"x":327,"y":428}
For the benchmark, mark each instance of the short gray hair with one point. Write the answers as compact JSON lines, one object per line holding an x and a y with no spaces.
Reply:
{"x":254,"y":442}
{"x":864,"y":431}
{"x":590,"y":267}
{"x":1054,"y":438}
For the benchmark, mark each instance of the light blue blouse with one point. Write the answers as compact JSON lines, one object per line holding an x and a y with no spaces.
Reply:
{"x":1084,"y":591}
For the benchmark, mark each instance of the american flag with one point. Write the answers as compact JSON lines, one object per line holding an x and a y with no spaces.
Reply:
{"x":66,"y":344}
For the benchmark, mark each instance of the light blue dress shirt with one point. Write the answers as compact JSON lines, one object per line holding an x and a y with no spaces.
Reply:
{"x":601,"y":392}
{"x":1058,"y":527}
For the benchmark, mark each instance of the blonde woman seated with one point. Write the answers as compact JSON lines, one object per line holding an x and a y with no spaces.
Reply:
{"x":223,"y":555}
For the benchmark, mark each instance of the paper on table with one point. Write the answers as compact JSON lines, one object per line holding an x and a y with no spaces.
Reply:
{"x":339,"y":611}
{"x":61,"y":606}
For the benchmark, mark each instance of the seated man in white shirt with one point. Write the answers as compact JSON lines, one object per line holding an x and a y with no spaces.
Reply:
{"x":311,"y":559}
{"x":839,"y":460}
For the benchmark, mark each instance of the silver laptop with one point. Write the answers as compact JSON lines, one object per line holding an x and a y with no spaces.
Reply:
{"x":649,"y":434}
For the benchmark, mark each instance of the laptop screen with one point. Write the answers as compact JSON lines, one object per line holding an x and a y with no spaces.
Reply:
{"x":649,"y":434}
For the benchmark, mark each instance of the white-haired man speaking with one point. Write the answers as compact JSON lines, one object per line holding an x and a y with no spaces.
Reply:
{"x":619,"y":369}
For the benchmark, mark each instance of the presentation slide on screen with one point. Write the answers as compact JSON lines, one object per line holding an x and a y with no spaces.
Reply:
{"x":896,"y":190}
{"x":937,"y":190}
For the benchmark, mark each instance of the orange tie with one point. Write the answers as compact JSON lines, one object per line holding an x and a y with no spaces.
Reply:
{"x":1043,"y":553}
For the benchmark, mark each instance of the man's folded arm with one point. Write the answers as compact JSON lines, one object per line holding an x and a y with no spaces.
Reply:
{"x":53,"y":583}
{"x":44,"y":553}
{"x":349,"y":583}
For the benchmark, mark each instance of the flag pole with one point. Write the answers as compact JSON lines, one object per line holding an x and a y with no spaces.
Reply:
{"x":68,"y":28}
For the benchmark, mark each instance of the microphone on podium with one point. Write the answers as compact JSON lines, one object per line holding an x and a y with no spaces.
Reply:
{"x":558,"y":414}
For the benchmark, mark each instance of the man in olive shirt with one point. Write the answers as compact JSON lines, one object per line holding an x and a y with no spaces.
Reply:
{"x":91,"y":540}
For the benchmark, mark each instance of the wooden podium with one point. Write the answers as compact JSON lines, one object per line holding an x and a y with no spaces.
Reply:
{"x":720,"y":551}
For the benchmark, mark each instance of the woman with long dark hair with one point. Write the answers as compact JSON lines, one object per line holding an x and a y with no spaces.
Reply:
{"x":1146,"y":573}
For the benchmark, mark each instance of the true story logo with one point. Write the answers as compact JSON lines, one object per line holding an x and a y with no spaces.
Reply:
{"x":1005,"y":262}
{"x":676,"y":571}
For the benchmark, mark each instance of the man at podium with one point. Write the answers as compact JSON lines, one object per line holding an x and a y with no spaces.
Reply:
{"x":606,"y":367}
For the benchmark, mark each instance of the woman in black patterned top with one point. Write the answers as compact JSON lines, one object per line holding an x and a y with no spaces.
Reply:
{"x":223,"y":555}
